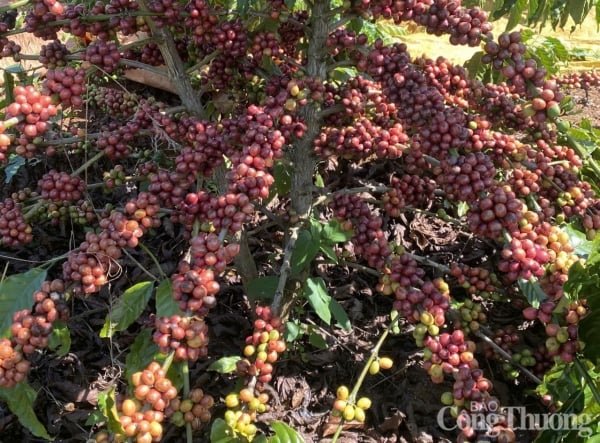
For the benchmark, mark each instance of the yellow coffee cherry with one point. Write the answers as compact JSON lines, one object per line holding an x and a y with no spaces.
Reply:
{"x":342,"y":392}
{"x":349,"y":412}
{"x":386,"y":363}
{"x":364,"y":403}
{"x":359,"y":414}
{"x":232,"y":400}
{"x":374,"y":367}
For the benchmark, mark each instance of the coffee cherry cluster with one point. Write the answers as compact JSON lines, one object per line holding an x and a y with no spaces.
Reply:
{"x":13,"y":366}
{"x":264,"y":44}
{"x":229,"y":211}
{"x":343,"y":406}
{"x":121,"y":20}
{"x":465,"y":26}
{"x":187,"y":336}
{"x":5,"y":140}
{"x":476,"y":281}
{"x":583,"y":80}
{"x":144,"y":209}
{"x":409,"y":190}
{"x":53,"y":55}
{"x":41,"y":13}
{"x":139,"y":423}
{"x":96,"y":258}
{"x":499,"y":209}
{"x":195,"y":409}
{"x":380,"y":363}
{"x":523,"y":258}
{"x":262,"y":350}
{"x":242,"y":410}
{"x":444,"y":131}
{"x":31,"y":332}
{"x":104,"y":55}
{"x":8,"y":20}
{"x":432,"y":298}
{"x":470,"y":385}
{"x":153,"y":388}
{"x":116,"y":102}
{"x":68,"y":84}
{"x":363,"y":139}
{"x":265,"y":345}
{"x":471,"y":316}
{"x":465,"y":177}
{"x":34,"y":110}
{"x":208,"y":251}
{"x":83,"y":212}
{"x":562,"y":343}
{"x":195,"y":289}
{"x":201,"y":20}
{"x":446,"y":352}
{"x":14,"y":230}
{"x":115,"y":144}
{"x":487,"y":406}
{"x":344,"y":40}
{"x":61,"y":187}
{"x":114,"y":178}
{"x":262,"y":146}
{"x":369,"y":240}
{"x":524,"y":77}
{"x":401,"y":272}
{"x":8,"y":48}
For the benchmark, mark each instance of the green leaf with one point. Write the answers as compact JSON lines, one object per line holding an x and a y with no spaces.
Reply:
{"x":474,"y":66}
{"x":292,"y":331}
{"x":127,"y":309}
{"x":343,"y":74}
{"x":333,"y":232}
{"x":501,"y":9}
{"x":13,"y":166}
{"x":516,"y":14}
{"x":305,"y":250}
{"x":225,"y":365}
{"x":220,"y":432}
{"x":315,"y":292}
{"x":16,"y":293}
{"x":108,"y":406}
{"x":242,"y":7}
{"x":142,"y":351}
{"x":319,"y":182}
{"x":19,"y":400}
{"x":317,"y":341}
{"x":582,"y":282}
{"x":462,"y":209}
{"x":329,"y":253}
{"x":60,"y":339}
{"x":284,"y":434}
{"x":558,"y":48}
{"x":166,"y":305}
{"x":95,"y":418}
{"x":282,"y":175}
{"x":583,"y":246}
{"x":339,"y":314}
{"x":579,"y":9}
{"x":388,"y":32}
{"x":589,"y":331}
{"x":533,"y":291}
{"x":262,"y":288}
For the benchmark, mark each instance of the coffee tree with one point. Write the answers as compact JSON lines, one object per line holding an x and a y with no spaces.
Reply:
{"x":308,"y":122}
